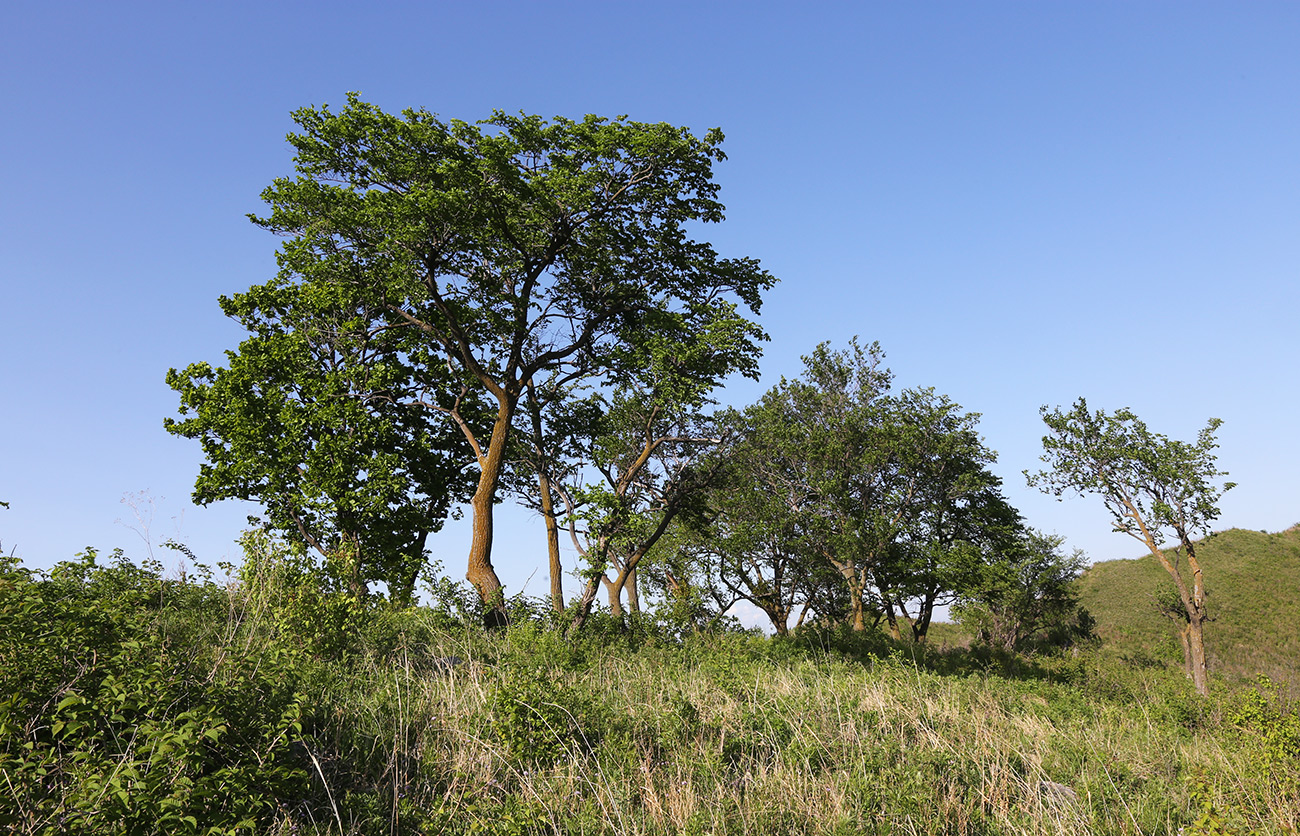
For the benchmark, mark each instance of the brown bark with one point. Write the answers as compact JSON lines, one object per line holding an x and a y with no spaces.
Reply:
{"x":633,"y":594}
{"x":552,"y":543}
{"x":615,"y":597}
{"x":857,"y":613}
{"x":921,"y":625}
{"x":547,"y":501}
{"x":892,"y":618}
{"x":481,"y":572}
{"x":1196,"y":644}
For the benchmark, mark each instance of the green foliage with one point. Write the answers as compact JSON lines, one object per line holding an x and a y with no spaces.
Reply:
{"x":110,"y":724}
{"x":539,"y":719}
{"x":1274,"y":727}
{"x":1209,"y":821}
{"x":1150,"y":484}
{"x":311,"y":609}
{"x":1027,"y":594}
{"x":298,"y":421}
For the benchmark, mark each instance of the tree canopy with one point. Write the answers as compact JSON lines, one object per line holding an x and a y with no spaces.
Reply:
{"x":1152,"y":487}
{"x":846,"y":500}
{"x":487,"y":256}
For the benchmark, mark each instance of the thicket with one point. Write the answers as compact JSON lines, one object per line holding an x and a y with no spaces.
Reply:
{"x":140,"y":703}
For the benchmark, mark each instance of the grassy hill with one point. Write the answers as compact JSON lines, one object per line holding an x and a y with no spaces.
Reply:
{"x":1252,"y":580}
{"x":136,"y":703}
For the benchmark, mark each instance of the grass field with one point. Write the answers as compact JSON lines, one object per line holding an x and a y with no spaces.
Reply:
{"x":133,"y":703}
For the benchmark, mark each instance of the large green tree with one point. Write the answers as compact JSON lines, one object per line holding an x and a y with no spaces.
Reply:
{"x":301,"y":420}
{"x":505,"y":251}
{"x":1153,"y":487}
{"x":954,"y":516}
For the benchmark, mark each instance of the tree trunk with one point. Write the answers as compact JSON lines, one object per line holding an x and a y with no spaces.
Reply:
{"x":615,"y":597}
{"x":921,"y":626}
{"x":892,"y":618}
{"x":481,"y":573}
{"x":1196,"y":618}
{"x":1194,"y":642}
{"x":780,"y":618}
{"x":857,"y":610}
{"x":547,"y":502}
{"x":803,"y":613}
{"x":552,"y":543}
{"x":1193,"y":633}
{"x":584,"y":606}
{"x":633,"y":595}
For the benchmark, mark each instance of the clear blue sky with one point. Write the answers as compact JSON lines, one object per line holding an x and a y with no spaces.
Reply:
{"x":1023,"y":202}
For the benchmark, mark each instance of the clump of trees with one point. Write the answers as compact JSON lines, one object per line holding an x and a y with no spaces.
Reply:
{"x":517,"y":307}
{"x":434,"y":276}
{"x":839,"y":501}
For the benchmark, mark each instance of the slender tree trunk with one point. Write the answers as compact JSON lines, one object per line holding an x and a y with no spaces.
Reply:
{"x":1193,"y":634}
{"x":633,"y":594}
{"x":547,"y":502}
{"x":404,"y":592}
{"x":857,"y":612}
{"x":481,"y":573}
{"x":584,"y":606}
{"x":892,"y":618}
{"x":348,"y":556}
{"x":552,"y":543}
{"x":1194,"y":642}
{"x":1196,"y":618}
{"x":803,"y":613}
{"x":921,"y":626}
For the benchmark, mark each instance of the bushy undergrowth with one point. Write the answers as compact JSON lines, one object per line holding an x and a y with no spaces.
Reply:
{"x":126,"y":709}
{"x":139,"y":704}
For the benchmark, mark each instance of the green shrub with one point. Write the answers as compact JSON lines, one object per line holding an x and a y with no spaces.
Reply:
{"x":109,"y":727}
{"x":1274,"y":730}
{"x":540,"y":720}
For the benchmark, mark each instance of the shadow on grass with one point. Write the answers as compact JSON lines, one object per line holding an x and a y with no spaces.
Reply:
{"x":872,"y":646}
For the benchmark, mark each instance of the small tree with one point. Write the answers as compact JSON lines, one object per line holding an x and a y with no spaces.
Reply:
{"x":1026,"y":591}
{"x":1152,"y":487}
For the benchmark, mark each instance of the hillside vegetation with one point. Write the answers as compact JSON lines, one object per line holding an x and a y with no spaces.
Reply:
{"x":1253,"y":584}
{"x":136,"y":703}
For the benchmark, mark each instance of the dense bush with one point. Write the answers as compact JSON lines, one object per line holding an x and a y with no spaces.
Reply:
{"x":117,"y":720}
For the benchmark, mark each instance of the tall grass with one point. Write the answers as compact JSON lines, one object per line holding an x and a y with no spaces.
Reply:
{"x":415,"y":723}
{"x":738,"y":734}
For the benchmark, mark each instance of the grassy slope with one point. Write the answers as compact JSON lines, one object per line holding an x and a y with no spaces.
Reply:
{"x":614,"y":732}
{"x":1253,"y":582}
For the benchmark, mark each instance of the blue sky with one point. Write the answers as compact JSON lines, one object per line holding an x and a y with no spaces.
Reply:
{"x":1023,"y":202}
